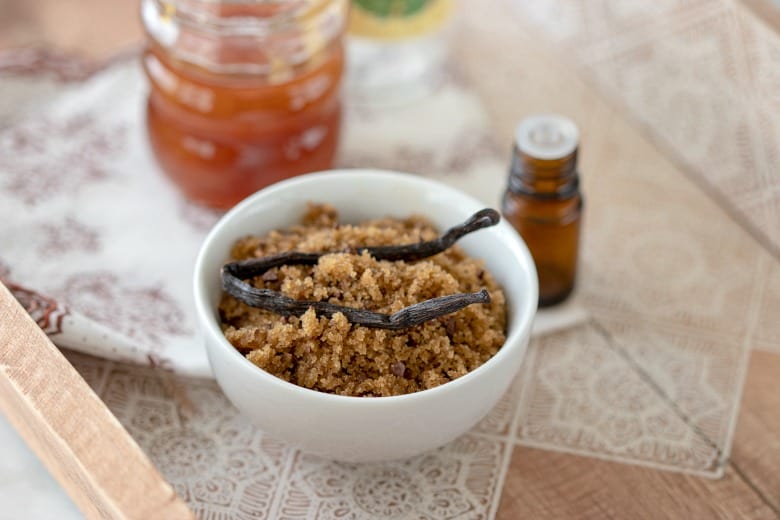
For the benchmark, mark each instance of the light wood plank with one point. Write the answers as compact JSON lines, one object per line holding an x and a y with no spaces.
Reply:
{"x":542,"y":484}
{"x":756,"y":450}
{"x":766,"y":10}
{"x":71,"y":430}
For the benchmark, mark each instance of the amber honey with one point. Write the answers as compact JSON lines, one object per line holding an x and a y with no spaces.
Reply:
{"x":251,"y":99}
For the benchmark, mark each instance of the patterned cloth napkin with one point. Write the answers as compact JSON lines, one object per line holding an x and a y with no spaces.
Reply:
{"x":104,"y":244}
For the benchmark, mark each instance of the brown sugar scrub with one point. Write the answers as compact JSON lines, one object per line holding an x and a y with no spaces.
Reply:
{"x":332,"y":281}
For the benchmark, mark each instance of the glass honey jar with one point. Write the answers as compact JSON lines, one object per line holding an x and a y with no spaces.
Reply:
{"x":243,"y":93}
{"x":543,"y":200}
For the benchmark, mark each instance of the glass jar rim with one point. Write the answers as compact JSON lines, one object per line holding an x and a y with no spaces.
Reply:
{"x":205,"y":15}
{"x":267,"y":41}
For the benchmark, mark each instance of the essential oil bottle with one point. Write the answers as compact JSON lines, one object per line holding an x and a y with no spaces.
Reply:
{"x":543,"y":200}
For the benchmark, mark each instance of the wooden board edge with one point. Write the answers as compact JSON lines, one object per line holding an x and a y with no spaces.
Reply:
{"x":72,"y":431}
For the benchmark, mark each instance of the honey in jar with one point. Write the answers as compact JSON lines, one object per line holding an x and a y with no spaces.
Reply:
{"x":243,"y":93}
{"x":543,"y":200}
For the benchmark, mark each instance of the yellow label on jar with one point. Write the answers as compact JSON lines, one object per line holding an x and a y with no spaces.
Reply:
{"x":397,"y":19}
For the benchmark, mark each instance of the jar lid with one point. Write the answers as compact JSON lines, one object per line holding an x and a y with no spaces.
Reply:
{"x":547,"y":136}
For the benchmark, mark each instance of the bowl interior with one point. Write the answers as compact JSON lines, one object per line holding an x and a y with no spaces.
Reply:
{"x":360,"y":195}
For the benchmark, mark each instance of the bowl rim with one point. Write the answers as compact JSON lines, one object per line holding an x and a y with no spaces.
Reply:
{"x":210,"y":325}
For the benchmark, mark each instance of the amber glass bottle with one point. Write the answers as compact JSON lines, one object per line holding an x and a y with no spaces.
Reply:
{"x":543,"y":200}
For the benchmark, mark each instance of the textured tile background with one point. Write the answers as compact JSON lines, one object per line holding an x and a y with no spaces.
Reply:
{"x":702,"y":76}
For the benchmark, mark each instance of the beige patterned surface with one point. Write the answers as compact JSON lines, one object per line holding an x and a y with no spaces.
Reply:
{"x":702,"y":79}
{"x":596,"y":399}
{"x":702,"y":76}
{"x":678,"y":291}
{"x":225,"y":468}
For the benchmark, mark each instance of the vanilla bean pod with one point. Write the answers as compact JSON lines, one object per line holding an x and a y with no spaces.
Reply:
{"x":234,"y":273}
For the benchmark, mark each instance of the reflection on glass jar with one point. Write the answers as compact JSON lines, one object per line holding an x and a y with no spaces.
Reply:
{"x":244,"y":93}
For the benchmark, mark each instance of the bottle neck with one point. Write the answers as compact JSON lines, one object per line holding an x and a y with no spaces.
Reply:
{"x":555,"y":179}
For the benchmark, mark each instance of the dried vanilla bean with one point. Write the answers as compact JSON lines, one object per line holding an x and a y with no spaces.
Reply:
{"x":234,"y":273}
{"x":407,"y":317}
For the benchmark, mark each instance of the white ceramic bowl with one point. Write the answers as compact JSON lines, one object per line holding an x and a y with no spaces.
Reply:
{"x":366,"y":428}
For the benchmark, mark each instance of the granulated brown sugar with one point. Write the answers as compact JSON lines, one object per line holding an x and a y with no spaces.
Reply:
{"x":330,"y":354}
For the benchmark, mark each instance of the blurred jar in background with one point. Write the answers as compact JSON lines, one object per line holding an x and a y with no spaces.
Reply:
{"x":396,"y":49}
{"x":244,"y":93}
